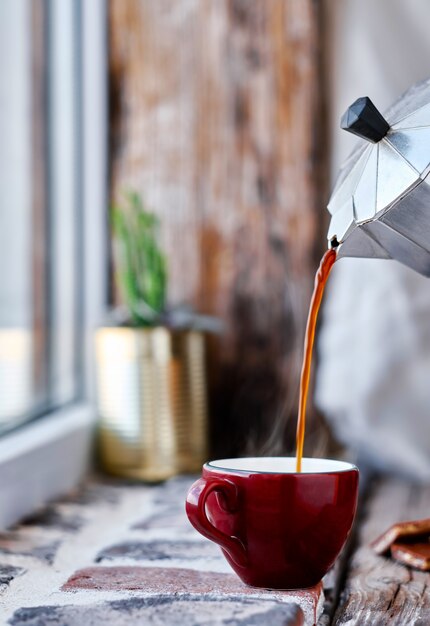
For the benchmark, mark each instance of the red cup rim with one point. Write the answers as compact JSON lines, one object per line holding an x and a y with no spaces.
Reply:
{"x":250,"y":465}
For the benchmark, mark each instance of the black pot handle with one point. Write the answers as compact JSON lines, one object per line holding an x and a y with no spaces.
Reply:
{"x":363,"y":119}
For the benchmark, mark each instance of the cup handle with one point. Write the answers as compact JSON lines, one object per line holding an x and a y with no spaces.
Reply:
{"x":196,"y":511}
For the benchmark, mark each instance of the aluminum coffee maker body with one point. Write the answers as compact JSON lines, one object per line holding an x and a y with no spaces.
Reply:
{"x":381,"y":202}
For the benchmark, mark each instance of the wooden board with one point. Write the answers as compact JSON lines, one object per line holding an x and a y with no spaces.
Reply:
{"x":216,"y":119}
{"x":331,"y":584}
{"x":377,"y":590}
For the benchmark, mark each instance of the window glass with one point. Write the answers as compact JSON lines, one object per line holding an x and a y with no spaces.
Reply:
{"x":40,"y":302}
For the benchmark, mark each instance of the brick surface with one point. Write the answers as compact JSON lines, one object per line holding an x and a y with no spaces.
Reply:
{"x":154,"y":568}
{"x":7,"y":574}
{"x":183,"y":582}
{"x":169,"y":580}
{"x":169,"y":509}
{"x":166,"y":518}
{"x":163,"y":611}
{"x":54,"y":518}
{"x":161,"y":550}
{"x":95,"y":492}
{"x":32,"y":544}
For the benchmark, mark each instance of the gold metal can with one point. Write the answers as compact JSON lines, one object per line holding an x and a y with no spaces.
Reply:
{"x":151,"y":388}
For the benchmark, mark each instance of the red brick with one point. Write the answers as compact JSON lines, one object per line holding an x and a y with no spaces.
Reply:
{"x":193,"y":585}
{"x":158,"y":580}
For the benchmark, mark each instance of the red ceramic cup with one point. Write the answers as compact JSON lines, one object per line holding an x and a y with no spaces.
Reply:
{"x":277,"y":528}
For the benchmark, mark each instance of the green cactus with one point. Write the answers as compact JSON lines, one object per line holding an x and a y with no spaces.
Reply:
{"x":140,"y":265}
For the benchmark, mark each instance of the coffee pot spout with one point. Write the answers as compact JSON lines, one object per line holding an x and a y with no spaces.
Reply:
{"x":358,"y":243}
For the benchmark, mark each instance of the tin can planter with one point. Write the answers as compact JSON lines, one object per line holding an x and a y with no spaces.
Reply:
{"x":152,"y":401}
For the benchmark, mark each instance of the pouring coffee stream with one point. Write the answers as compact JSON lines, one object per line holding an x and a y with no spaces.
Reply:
{"x":380,"y":204}
{"x":321,"y":277}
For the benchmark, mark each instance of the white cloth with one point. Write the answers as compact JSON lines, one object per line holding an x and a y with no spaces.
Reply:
{"x":374,"y":376}
{"x":373,"y":380}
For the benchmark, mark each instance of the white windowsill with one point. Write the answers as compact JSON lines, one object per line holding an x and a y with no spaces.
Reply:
{"x":43,"y":460}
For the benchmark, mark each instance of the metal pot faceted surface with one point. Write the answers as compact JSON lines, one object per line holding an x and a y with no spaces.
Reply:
{"x":380,"y":205}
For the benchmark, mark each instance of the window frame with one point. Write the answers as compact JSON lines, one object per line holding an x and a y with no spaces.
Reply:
{"x":46,"y":457}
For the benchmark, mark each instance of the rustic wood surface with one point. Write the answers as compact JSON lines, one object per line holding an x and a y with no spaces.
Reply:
{"x":216,"y":120}
{"x":378,"y":591}
{"x":332,"y":587}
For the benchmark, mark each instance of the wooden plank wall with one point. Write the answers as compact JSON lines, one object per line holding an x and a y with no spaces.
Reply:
{"x":216,"y":117}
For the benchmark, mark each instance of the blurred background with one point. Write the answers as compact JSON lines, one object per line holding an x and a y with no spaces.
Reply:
{"x":221,"y":119}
